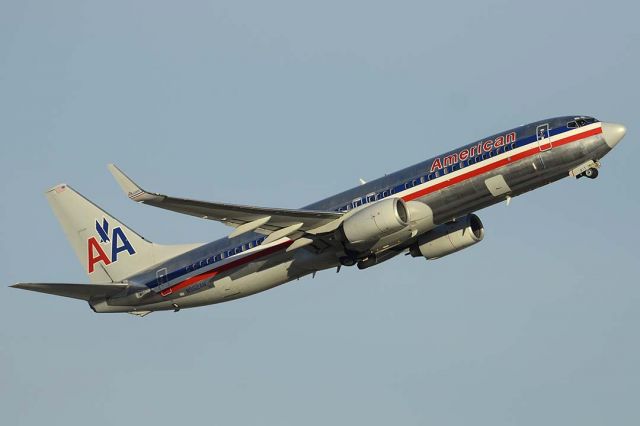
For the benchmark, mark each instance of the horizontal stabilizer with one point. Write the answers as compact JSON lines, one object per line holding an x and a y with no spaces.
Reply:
{"x":76,"y":291}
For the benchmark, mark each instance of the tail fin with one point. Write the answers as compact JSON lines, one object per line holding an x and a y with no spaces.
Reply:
{"x":108,"y":249}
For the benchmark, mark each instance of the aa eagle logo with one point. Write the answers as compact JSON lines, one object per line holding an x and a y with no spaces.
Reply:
{"x":114,"y":242}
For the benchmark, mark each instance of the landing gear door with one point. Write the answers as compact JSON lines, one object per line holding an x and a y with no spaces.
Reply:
{"x":543,"y":137}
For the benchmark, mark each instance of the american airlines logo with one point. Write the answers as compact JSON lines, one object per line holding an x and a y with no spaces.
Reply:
{"x":472,"y":151}
{"x":115,"y":242}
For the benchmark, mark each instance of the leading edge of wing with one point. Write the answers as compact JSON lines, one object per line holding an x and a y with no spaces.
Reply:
{"x":230,"y":214}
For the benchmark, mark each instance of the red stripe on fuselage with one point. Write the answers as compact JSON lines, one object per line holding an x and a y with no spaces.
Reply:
{"x":233,"y":264}
{"x":498,"y":164}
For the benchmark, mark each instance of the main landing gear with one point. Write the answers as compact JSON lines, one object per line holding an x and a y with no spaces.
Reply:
{"x":348,"y":261}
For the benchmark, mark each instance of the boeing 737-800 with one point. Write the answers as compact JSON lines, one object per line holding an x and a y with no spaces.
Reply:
{"x":426,"y":210}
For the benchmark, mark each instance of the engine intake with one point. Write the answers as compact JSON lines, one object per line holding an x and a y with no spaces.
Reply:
{"x":449,"y":238}
{"x":376,"y":221}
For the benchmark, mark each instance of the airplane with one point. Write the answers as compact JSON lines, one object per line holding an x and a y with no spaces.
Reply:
{"x":425,"y":210}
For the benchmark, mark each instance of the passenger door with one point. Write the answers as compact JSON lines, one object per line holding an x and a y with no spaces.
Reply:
{"x":542,"y":135}
{"x":161,"y":276}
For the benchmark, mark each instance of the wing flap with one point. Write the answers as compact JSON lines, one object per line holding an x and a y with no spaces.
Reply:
{"x":75,"y":291}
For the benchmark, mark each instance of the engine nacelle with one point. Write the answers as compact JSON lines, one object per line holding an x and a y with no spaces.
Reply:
{"x":376,"y":221}
{"x":449,"y":238}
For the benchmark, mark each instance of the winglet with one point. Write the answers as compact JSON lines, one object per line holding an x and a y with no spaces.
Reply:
{"x":129,"y":187}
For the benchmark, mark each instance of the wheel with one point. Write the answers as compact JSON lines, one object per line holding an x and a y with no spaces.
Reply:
{"x":347,"y":261}
{"x":591,"y":173}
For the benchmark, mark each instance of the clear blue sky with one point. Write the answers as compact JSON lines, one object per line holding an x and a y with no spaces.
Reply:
{"x":283,"y":103}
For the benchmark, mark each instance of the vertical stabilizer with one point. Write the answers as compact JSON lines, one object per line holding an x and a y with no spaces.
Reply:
{"x":108,"y":250}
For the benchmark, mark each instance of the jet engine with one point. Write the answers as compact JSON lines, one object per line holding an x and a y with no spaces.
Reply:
{"x":449,"y":238}
{"x":367,"y":226}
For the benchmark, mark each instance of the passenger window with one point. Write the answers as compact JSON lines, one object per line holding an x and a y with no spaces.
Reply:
{"x":471,"y":161}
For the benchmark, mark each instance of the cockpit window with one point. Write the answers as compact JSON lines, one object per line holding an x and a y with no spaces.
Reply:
{"x":581,"y":121}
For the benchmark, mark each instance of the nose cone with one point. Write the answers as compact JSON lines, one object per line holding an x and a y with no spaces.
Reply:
{"x":613,"y":133}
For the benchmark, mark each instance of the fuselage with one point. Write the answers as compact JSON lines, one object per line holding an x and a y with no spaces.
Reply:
{"x":452,"y":185}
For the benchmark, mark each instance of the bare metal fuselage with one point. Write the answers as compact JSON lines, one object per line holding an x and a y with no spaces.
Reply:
{"x":451,"y":193}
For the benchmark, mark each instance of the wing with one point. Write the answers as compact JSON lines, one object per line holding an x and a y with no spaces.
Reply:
{"x":275,"y":222}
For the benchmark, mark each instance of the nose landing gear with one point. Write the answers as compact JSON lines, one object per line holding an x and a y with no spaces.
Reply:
{"x":588,"y":169}
{"x":591,"y":173}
